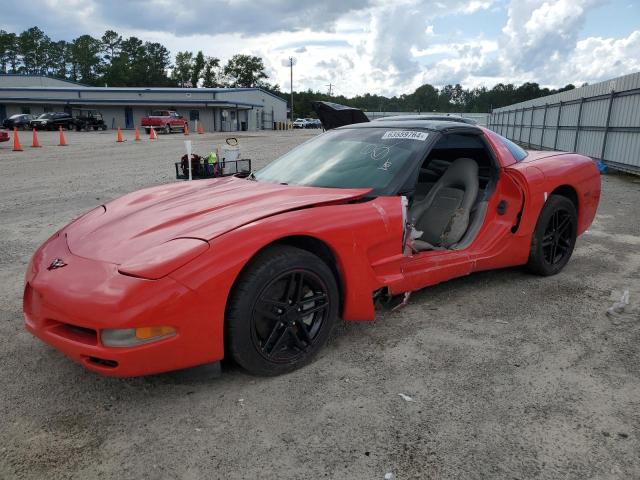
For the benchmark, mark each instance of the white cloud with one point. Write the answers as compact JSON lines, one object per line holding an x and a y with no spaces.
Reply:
{"x":596,"y":59}
{"x":537,"y":31}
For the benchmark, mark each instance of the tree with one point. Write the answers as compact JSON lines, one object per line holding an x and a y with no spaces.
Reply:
{"x":212,"y":72}
{"x":245,"y":70}
{"x":58,"y":59}
{"x":134,"y":52}
{"x":183,"y":68}
{"x":33,"y":46}
{"x":85,"y":51}
{"x":197,"y":68}
{"x":8,"y":52}
{"x":158,"y":60}
{"x":111,"y":42}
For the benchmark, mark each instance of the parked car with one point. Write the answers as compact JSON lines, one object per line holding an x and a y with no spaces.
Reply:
{"x":300,"y":123}
{"x":4,"y":136}
{"x":164,"y":120}
{"x":313,"y":123}
{"x":260,"y":268}
{"x":21,"y":121}
{"x":87,"y":119}
{"x":53,"y":121}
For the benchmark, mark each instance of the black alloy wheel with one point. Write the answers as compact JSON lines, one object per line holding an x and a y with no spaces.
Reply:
{"x":554,"y":237}
{"x":557,"y":239}
{"x":281,"y":311}
{"x":288,"y":315}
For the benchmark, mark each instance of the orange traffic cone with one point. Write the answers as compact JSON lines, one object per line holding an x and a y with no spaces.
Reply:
{"x":137,"y":135}
{"x":62,"y":143}
{"x":16,"y":141}
{"x":35,"y":143}
{"x":186,"y":129}
{"x":119,"y":136}
{"x":152,"y":134}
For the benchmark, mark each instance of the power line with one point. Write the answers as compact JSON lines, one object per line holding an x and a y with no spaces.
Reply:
{"x":331,"y":85}
{"x":291,"y":62}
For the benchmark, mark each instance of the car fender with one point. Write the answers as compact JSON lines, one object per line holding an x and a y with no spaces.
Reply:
{"x":542,"y":177}
{"x":364,"y":237}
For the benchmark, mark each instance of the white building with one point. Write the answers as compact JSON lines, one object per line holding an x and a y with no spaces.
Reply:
{"x":217,"y":109}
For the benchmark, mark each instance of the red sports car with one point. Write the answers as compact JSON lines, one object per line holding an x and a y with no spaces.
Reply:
{"x":259,"y":268}
{"x":4,"y":136}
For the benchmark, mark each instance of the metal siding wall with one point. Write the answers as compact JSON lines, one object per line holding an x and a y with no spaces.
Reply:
{"x":600,"y":120}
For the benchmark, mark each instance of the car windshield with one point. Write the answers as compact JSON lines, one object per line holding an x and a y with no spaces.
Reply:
{"x":348,"y":158}
{"x":46,"y":115}
{"x":159,"y":113}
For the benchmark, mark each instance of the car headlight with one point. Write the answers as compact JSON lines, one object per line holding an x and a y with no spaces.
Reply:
{"x":161,"y":260}
{"x":129,"y":337}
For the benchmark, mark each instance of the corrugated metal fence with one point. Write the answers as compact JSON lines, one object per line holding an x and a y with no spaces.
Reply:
{"x":601,"y":121}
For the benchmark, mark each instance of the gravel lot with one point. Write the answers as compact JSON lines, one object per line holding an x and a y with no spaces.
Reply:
{"x":512,"y":376}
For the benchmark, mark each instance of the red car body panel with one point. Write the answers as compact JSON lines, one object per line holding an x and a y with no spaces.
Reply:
{"x":4,"y":136}
{"x":120,"y":274}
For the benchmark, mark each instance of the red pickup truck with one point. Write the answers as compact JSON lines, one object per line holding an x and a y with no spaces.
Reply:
{"x":164,"y":120}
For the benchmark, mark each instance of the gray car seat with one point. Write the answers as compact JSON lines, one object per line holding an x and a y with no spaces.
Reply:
{"x":443,"y":215}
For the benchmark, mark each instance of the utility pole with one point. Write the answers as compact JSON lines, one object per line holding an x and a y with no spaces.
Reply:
{"x":331,"y":85}
{"x":291,"y":62}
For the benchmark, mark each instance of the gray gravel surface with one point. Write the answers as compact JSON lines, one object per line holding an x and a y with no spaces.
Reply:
{"x":511,"y":375}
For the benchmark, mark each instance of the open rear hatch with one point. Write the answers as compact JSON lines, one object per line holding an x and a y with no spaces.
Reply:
{"x":334,"y":115}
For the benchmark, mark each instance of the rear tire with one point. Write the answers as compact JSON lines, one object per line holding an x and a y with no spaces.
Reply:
{"x":554,"y":237}
{"x":281,"y":311}
{"x":167,"y":130}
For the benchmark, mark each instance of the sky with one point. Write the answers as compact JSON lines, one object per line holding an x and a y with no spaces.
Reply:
{"x":375,"y":46}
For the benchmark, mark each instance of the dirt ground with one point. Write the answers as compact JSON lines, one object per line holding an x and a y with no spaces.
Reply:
{"x":511,"y":375}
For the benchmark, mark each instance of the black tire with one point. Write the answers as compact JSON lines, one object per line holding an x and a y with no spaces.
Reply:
{"x":267,"y":330}
{"x":147,"y":130}
{"x":554,"y":237}
{"x":167,"y":130}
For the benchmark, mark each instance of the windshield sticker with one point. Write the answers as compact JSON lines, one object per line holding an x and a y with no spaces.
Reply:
{"x":405,"y":135}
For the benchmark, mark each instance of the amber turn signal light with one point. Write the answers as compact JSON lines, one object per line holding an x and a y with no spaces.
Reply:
{"x":129,"y":337}
{"x":145,"y":333}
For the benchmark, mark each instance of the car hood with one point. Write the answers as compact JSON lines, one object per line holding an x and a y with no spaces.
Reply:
{"x":202,"y":209}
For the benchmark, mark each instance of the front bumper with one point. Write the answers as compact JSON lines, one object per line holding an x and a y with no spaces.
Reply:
{"x":68,"y":307}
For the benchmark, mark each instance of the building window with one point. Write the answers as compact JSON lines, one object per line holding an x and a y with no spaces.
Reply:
{"x":194,"y":115}
{"x":26,"y":110}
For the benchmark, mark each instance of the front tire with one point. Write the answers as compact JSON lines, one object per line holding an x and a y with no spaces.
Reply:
{"x":167,"y":130}
{"x":281,"y":311}
{"x":554,"y":237}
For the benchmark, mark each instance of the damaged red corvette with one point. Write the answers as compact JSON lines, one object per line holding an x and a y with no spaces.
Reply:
{"x":259,"y":268}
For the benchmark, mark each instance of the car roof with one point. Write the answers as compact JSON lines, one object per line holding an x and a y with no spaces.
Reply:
{"x":450,"y":118}
{"x":434,"y":125}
